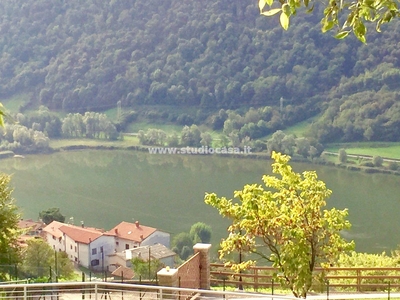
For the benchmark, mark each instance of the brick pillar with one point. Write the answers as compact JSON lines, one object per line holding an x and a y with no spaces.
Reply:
{"x":204,"y":250}
{"x":168,"y":277}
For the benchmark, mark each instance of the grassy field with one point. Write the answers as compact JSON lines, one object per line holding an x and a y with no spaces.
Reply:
{"x":128,"y":141}
{"x":13,"y":103}
{"x":168,"y":128}
{"x":299,"y":129}
{"x":386,"y":150}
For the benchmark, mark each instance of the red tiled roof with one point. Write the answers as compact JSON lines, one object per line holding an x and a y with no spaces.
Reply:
{"x":81,"y":234}
{"x":30,"y":224}
{"x":54,"y":229}
{"x":131,"y":231}
{"x":124,"y":272}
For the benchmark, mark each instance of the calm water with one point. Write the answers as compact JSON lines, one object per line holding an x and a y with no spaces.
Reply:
{"x":102,"y":188}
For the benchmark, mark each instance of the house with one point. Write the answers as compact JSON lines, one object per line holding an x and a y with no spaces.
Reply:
{"x":88,"y":247}
{"x":31,"y":229}
{"x":157,"y":251}
{"x":53,"y":236}
{"x":96,"y":249}
{"x":132,"y":235}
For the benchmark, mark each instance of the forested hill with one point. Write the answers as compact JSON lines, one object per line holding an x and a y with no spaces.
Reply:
{"x":81,"y":55}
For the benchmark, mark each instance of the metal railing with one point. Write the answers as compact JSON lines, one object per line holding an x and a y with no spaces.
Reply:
{"x":340,"y":279}
{"x":122,"y":291}
{"x":113,"y":291}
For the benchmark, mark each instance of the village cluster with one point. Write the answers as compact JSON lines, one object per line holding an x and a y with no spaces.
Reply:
{"x":100,"y":250}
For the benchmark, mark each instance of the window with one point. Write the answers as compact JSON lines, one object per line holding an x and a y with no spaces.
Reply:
{"x":76,"y":259}
{"x":94,"y":262}
{"x":70,"y":247}
{"x":126,"y":246}
{"x":117,"y":243}
{"x":94,"y":251}
{"x":54,"y":237}
{"x":75,"y":248}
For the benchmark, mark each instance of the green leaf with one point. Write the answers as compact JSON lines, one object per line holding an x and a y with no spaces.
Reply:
{"x":360,"y":31}
{"x":328,"y":25}
{"x":342,"y":35}
{"x":284,"y":19}
{"x":360,"y":36}
{"x":286,"y":9}
{"x":261,"y":4}
{"x":271,"y":12}
{"x":310,"y":9}
{"x":306,"y":2}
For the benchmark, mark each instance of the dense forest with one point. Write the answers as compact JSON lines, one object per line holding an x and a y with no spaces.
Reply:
{"x":88,"y":55}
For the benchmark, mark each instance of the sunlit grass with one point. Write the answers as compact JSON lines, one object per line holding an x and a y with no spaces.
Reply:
{"x":300,"y":129}
{"x":168,"y":128}
{"x":126,"y":142}
{"x":112,"y":114}
{"x":13,"y":103}
{"x":386,"y":150}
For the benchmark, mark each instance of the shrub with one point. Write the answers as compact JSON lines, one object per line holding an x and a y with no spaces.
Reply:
{"x":342,"y":156}
{"x":367,"y":164}
{"x":378,"y":161}
{"x":393,"y":166}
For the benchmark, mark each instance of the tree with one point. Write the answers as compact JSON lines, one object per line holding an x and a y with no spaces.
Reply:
{"x":377,"y":160}
{"x":181,"y":243}
{"x":51,"y":214}
{"x":39,"y":257}
{"x":9,"y":216}
{"x":345,"y":16}
{"x":284,"y":224}
{"x":146,"y":269}
{"x":200,"y":232}
{"x":342,"y":156}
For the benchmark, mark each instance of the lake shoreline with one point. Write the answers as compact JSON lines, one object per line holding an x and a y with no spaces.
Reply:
{"x":259,"y":155}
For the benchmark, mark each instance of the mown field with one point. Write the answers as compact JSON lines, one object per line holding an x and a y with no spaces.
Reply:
{"x":126,"y":142}
{"x":385,"y":150}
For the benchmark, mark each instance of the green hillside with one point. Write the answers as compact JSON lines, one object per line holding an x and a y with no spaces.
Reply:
{"x":78,"y":56}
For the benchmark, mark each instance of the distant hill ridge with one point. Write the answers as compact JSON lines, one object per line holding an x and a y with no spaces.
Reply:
{"x":88,"y":55}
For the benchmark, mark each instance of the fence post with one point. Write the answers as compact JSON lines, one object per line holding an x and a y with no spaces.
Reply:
{"x":160,"y":294}
{"x":255,"y":279}
{"x":272,"y":286}
{"x":389,"y":290}
{"x":95,"y":291}
{"x":83,"y":290}
{"x":169,"y":277}
{"x":204,"y":250}
{"x":327,"y":290}
{"x":358,"y":280}
{"x":25,"y":293}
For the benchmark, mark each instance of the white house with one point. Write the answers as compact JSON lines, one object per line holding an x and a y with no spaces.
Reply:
{"x":87,"y":247}
{"x":93,"y":248}
{"x":132,"y":235}
{"x":53,"y":236}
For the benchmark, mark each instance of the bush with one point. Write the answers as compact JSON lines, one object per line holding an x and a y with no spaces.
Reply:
{"x":184,"y":119}
{"x":393,"y":166}
{"x":367,"y":164}
{"x":342,"y":156}
{"x":378,"y":161}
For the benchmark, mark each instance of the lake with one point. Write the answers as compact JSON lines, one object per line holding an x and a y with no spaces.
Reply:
{"x":102,"y":188}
